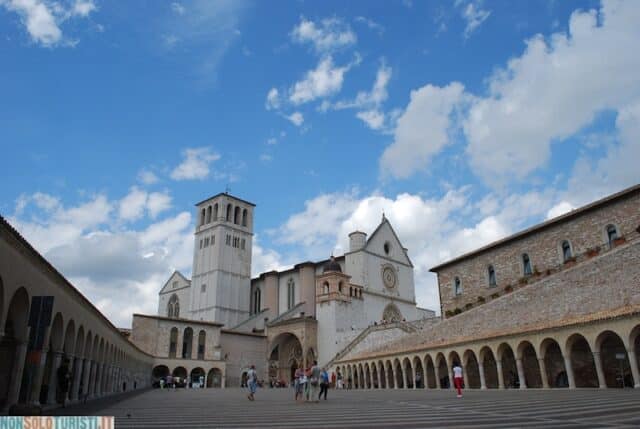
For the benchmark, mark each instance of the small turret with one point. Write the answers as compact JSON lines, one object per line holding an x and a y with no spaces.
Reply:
{"x":357,"y":240}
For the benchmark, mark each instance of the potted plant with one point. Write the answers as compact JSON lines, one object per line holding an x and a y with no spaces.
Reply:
{"x":618,"y":241}
{"x":481,"y":299}
{"x":508,"y":288}
{"x":593,"y":251}
{"x":569,"y":262}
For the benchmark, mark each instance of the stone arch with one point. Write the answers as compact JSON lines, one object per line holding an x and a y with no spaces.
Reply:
{"x":195,"y":375}
{"x":374,"y":376}
{"x":391,"y":383}
{"x":13,"y":348}
{"x":397,"y":366}
{"x":202,"y":339}
{"x":582,"y":362}
{"x":363,"y":381}
{"x":407,"y":368}
{"x":634,"y":344}
{"x":617,"y":372}
{"x":228,"y":215}
{"x":88,"y":345}
{"x":208,"y":214}
{"x":383,"y":375}
{"x":349,"y":375}
{"x":215,"y":212}
{"x":236,"y":215}
{"x":391,"y":313}
{"x":442,"y":371}
{"x":245,"y":219}
{"x":430,"y":372}
{"x":509,"y":368}
{"x":526,"y":352}
{"x":490,"y":367}
{"x":158,"y":372}
{"x":419,"y":372}
{"x":554,"y":369}
{"x":367,"y":376}
{"x":471,"y":370}
{"x":214,"y":378}
{"x":179,"y":372}
{"x":285,"y":356}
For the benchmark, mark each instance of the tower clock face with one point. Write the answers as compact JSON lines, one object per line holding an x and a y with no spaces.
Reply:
{"x":389,"y":277}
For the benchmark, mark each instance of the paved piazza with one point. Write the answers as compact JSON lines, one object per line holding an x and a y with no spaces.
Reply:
{"x":371,"y":408}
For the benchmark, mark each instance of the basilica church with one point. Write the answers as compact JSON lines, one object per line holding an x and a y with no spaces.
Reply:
{"x":222,"y":320}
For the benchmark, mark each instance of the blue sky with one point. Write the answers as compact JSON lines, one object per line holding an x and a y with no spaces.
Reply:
{"x":463,"y":121}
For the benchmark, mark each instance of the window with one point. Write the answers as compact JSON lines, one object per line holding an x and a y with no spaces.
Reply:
{"x":243,"y":244}
{"x":228,"y":212}
{"x":201,"y":244}
{"x":187,"y":341}
{"x":202,"y":217}
{"x":203,"y":288}
{"x":209,"y":214}
{"x":526,"y":265}
{"x":291,"y":294}
{"x":492,"y":276}
{"x":174,"y":284}
{"x":612,"y":234}
{"x":202,"y":336}
{"x":213,"y":240}
{"x":228,"y":240}
{"x":206,"y":242}
{"x":566,"y":251}
{"x":256,"y":300}
{"x":457,"y":287}
{"x":236,"y":215}
{"x":244,"y":217}
{"x":173,"y":307}
{"x":387,"y":248}
{"x":350,"y":291}
{"x":173,"y":339}
{"x":215,"y":212}
{"x":325,"y":288}
{"x":340,"y":287}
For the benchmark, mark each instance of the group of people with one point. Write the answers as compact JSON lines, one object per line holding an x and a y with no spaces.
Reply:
{"x":307,"y":382}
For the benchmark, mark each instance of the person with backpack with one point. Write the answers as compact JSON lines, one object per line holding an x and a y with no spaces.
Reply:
{"x":324,"y":383}
{"x":314,"y":381}
{"x":252,"y":382}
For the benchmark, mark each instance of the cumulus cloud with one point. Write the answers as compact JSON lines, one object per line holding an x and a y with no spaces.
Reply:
{"x":195,"y":164}
{"x":370,"y":23}
{"x":325,"y":80}
{"x":559,"y":209}
{"x":147,"y":177}
{"x":43,"y":19}
{"x":115,"y":266}
{"x":326,"y":35}
{"x":554,"y":89}
{"x":422,"y":130}
{"x":273,"y":99}
{"x":296,"y":118}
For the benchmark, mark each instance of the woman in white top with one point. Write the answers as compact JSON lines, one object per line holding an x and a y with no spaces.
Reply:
{"x":457,"y":378}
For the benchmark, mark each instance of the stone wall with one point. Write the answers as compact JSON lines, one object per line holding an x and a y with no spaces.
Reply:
{"x":597,"y":288}
{"x":241,"y":351}
{"x":584,"y":231}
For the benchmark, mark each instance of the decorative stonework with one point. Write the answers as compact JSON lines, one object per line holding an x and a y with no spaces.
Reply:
{"x":389,"y":277}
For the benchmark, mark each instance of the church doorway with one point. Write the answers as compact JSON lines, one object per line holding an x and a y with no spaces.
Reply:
{"x":285,"y":356}
{"x":214,"y":378}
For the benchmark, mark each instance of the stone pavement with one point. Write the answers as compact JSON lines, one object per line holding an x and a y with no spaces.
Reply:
{"x":275,"y":408}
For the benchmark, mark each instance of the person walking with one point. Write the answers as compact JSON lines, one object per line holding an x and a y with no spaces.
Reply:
{"x":314,"y":381}
{"x":297,"y":383}
{"x":252,"y":382}
{"x":324,"y":383}
{"x":339,"y":382}
{"x":457,"y":378}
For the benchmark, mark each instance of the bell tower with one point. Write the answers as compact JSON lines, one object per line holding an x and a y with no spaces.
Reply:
{"x":221,"y":278}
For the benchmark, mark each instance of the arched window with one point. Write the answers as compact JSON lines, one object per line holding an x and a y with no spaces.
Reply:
{"x":291,"y":294}
{"x":215,"y":212}
{"x":236,"y":215}
{"x":457,"y":286}
{"x":492,"y":276}
{"x":325,"y":288}
{"x":391,"y":313}
{"x":340,"y":287}
{"x":526,"y":265}
{"x":173,"y":339}
{"x":256,"y":300}
{"x":187,"y":341}
{"x":209,"y":214}
{"x":350,"y":291}
{"x":202,"y":215}
{"x":202,"y":337}
{"x":566,"y":251}
{"x":228,"y":212}
{"x":244,"y":217}
{"x":612,"y":234}
{"x":173,"y":307}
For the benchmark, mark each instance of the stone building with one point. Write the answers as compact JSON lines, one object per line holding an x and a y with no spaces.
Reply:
{"x":555,"y":305}
{"x":46,"y":324}
{"x":221,"y":320}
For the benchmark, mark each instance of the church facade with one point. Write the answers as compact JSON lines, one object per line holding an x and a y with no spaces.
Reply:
{"x":280,"y":320}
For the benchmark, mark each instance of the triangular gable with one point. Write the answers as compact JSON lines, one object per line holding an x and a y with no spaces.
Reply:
{"x":175,"y":277}
{"x":384,"y":232}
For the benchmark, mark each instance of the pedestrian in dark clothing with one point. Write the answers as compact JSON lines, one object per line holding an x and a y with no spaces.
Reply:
{"x":324,"y":383}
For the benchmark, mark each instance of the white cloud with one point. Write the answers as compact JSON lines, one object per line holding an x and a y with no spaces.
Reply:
{"x":559,"y":209}
{"x":553,"y":90}
{"x":422,"y":130}
{"x":371,"y":24}
{"x":157,"y":203}
{"x":474,"y":15}
{"x":273,"y":99}
{"x":43,"y":18}
{"x":264,"y":259}
{"x":373,"y":118}
{"x":147,"y":177}
{"x":132,"y":206}
{"x":178,"y":8}
{"x":296,"y":118}
{"x":325,"y":80}
{"x":195,"y":164}
{"x":327,"y":35}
